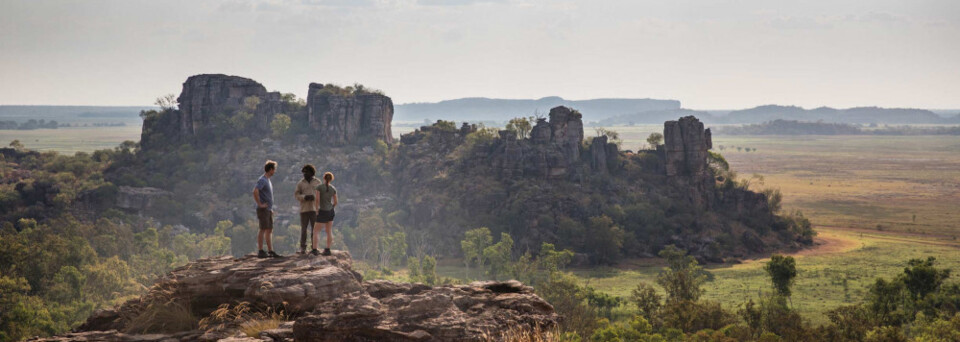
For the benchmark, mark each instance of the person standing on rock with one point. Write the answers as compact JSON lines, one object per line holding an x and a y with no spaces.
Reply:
{"x":305,"y":194}
{"x":326,"y":202}
{"x":263,"y":195}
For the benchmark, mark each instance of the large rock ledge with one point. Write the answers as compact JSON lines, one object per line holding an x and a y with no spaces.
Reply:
{"x":326,"y":300}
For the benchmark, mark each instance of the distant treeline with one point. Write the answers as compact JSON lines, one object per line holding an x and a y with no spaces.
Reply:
{"x":38,"y":124}
{"x":29,"y":124}
{"x":793,"y":127}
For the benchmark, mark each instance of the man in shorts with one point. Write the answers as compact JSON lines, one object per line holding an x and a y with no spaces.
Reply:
{"x":263,"y":195}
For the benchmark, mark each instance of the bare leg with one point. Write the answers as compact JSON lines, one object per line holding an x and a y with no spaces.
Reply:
{"x":267,"y":236}
{"x":329,"y":227}
{"x":260,"y":240}
{"x":316,"y":234}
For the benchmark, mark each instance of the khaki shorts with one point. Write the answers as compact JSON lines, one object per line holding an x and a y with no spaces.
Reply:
{"x":265,"y":216}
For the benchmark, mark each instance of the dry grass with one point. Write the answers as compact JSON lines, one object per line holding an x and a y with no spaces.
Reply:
{"x":243,"y":316}
{"x":161,"y":311}
{"x":523,"y":333}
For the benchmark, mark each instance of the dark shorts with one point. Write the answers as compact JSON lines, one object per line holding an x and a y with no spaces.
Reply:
{"x":324,"y":216}
{"x":265,"y":216}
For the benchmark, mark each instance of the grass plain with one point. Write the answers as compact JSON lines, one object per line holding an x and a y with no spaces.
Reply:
{"x":69,"y":140}
{"x":876,"y":202}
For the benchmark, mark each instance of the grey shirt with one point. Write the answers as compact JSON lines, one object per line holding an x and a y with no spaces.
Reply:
{"x":326,"y":196}
{"x":266,"y":191}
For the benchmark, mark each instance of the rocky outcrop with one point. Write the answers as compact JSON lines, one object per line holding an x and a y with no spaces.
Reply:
{"x":139,"y":199}
{"x":209,"y":106}
{"x":603,"y":154}
{"x":414,"y":312}
{"x":566,"y":131}
{"x":326,"y":301}
{"x":344,"y":119}
{"x":552,"y":150}
{"x":205,"y":96}
{"x":686,"y":144}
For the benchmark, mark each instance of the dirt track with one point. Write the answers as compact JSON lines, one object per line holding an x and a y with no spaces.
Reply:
{"x":836,"y":240}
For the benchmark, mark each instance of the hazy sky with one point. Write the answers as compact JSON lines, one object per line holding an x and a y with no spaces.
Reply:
{"x":707,"y":54}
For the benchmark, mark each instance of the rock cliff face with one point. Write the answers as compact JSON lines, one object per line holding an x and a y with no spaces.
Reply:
{"x":566,"y":128}
{"x":325,"y":300}
{"x":209,"y":102}
{"x":686,"y":145}
{"x":344,"y":119}
{"x":207,"y":95}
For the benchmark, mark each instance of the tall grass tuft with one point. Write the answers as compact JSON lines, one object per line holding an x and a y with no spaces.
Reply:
{"x":250,"y":321}
{"x":161,"y":312}
{"x":522,"y":333}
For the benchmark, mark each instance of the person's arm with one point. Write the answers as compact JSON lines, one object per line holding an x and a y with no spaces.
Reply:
{"x":298,"y":194}
{"x":335,"y":200}
{"x":316,"y":204}
{"x":256,"y":198}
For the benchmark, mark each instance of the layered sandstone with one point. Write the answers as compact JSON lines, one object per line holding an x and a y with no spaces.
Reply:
{"x":325,"y":300}
{"x":210,"y":106}
{"x":686,"y":145}
{"x":345,"y":119}
{"x":207,"y":95}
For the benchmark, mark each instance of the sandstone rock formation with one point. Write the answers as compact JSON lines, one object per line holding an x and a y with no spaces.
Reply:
{"x":566,"y":128}
{"x":208,"y":103}
{"x":207,"y":95}
{"x":343,"y":119}
{"x":552,"y":149}
{"x":603,"y":154}
{"x":414,"y":312}
{"x":686,"y":145}
{"x":326,"y":301}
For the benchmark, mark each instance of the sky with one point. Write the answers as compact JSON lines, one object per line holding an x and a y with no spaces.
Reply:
{"x":709,"y":54}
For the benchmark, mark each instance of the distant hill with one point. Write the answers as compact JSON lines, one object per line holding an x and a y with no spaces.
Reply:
{"x":793,"y":127}
{"x":858,"y":115}
{"x":612,"y":112}
{"x":655,"y":117}
{"x":484,"y":109}
{"x":70,"y":114}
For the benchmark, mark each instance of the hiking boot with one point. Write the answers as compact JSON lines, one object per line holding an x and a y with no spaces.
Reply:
{"x":302,"y":251}
{"x":272,"y":254}
{"x":315,"y":252}
{"x":261,"y":254}
{"x":326,"y":251}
